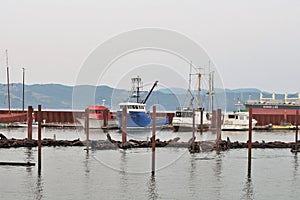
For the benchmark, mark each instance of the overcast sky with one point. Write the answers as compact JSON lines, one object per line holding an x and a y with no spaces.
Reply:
{"x":253,"y":44}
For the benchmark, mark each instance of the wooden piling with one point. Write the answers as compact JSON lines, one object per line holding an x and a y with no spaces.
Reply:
{"x":87,"y":125}
{"x":153,"y":139}
{"x":296,"y":132}
{"x":29,"y":122}
{"x":201,"y":120}
{"x":105,"y":118}
{"x":249,"y":142}
{"x":213,"y":120}
{"x":124,"y":125}
{"x":193,"y":131}
{"x":39,"y":118}
{"x":218,"y":123}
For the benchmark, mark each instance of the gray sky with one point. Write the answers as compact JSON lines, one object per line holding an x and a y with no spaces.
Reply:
{"x":252,"y":44}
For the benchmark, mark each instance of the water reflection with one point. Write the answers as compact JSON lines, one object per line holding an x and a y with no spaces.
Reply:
{"x":39,"y":188}
{"x":152,"y":192}
{"x":218,"y":167}
{"x":86,"y":163}
{"x":218,"y":174}
{"x":248,"y":189}
{"x":296,"y":165}
{"x":123,"y":173}
{"x":29,"y":157}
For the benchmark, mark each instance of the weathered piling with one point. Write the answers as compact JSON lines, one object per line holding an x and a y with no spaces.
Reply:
{"x":194,"y":146}
{"x":124,"y":125}
{"x":296,"y":132}
{"x":193,"y":131}
{"x":201,"y":120}
{"x":29,"y":122}
{"x":87,"y":124}
{"x":153,"y":139}
{"x":39,"y":138}
{"x":250,"y":142}
{"x":218,"y":123}
{"x":214,"y":120}
{"x":105,"y":118}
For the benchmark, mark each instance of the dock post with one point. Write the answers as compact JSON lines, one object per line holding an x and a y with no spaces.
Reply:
{"x":296,"y":132}
{"x":153,"y":139}
{"x":250,"y":142}
{"x":201,"y":120}
{"x":29,"y":122}
{"x":193,"y":132}
{"x":39,"y":115}
{"x":213,"y":121}
{"x":124,"y":125}
{"x":218,"y":123}
{"x":105,"y":118}
{"x":87,"y":125}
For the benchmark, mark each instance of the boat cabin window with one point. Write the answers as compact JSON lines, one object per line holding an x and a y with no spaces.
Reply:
{"x":184,"y":114}
{"x":132,"y":107}
{"x":95,"y":111}
{"x":231,"y":116}
{"x":178,"y":114}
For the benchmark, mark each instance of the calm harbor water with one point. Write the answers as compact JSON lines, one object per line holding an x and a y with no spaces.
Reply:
{"x":73,"y":173}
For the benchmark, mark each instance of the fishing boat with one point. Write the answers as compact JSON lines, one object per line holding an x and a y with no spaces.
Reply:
{"x":237,"y":120}
{"x":183,"y":119}
{"x":100,"y":117}
{"x":137,"y":116}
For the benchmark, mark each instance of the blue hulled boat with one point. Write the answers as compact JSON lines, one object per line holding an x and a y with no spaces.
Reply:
{"x":137,"y":117}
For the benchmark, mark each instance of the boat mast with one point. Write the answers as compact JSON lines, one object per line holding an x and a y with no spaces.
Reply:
{"x":190,"y":82}
{"x":210,"y":92}
{"x":23,"y":99}
{"x":136,"y":85}
{"x":7,"y":70}
{"x":199,"y":90}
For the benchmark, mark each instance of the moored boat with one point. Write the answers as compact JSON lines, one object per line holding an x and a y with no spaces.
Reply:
{"x":237,"y":121}
{"x":100,"y":117}
{"x":183,"y":120}
{"x":137,"y":117}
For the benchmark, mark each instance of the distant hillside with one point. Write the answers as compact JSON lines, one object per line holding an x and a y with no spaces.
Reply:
{"x":56,"y":96}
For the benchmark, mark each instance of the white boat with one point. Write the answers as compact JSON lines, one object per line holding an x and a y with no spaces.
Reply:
{"x":237,"y":121}
{"x":183,"y":120}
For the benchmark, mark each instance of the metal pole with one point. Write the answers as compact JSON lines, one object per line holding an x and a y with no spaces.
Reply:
{"x":29,"y":122}
{"x":153,"y":139}
{"x":8,"y":92}
{"x":250,"y":142}
{"x":23,"y":99}
{"x":124,"y":125}
{"x":39,"y":138}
